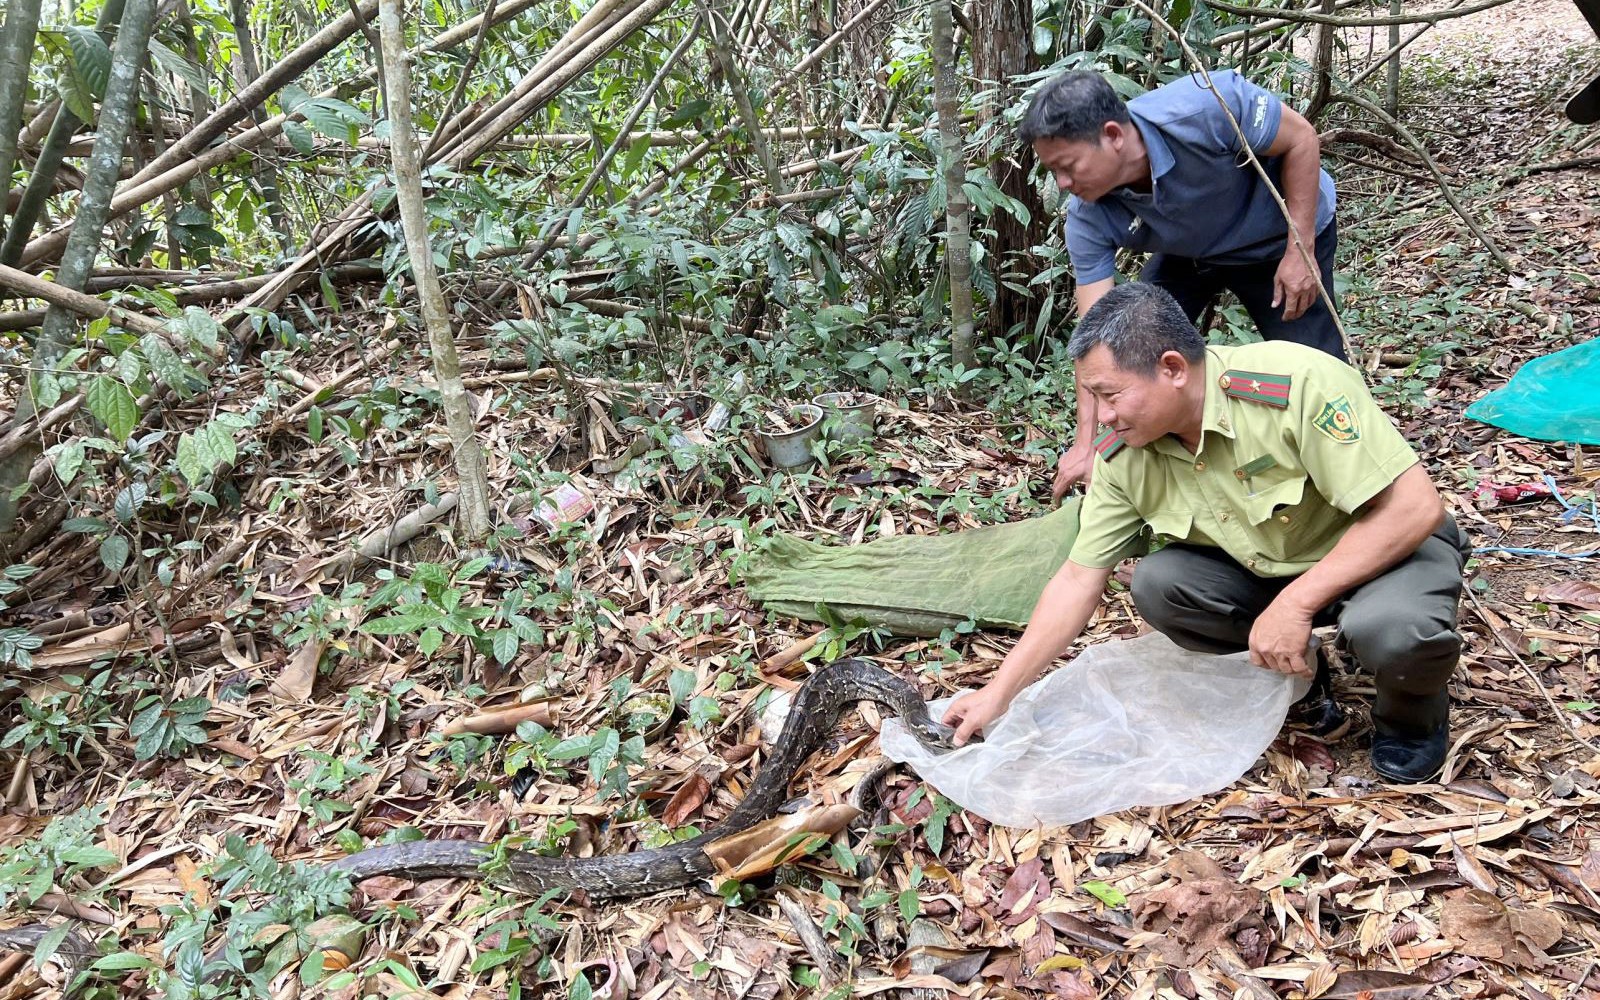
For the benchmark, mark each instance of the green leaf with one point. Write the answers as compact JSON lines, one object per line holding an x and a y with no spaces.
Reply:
{"x":291,"y":97}
{"x":580,"y":989}
{"x":165,"y":363}
{"x":201,"y":327}
{"x":113,"y":403}
{"x":506,"y":645}
{"x":402,"y":624}
{"x":910,"y":905}
{"x":91,"y":59}
{"x":128,"y":501}
{"x":50,"y":943}
{"x":1580,"y":706}
{"x":330,"y":117}
{"x":114,"y":552}
{"x":681,"y":684}
{"x":687,"y":112}
{"x":122,"y":961}
{"x":1105,"y":893}
{"x":191,"y":463}
{"x":146,"y":720}
{"x":177,"y":65}
{"x":314,"y":424}
{"x":429,"y":641}
{"x":69,"y":461}
{"x":300,"y":138}
{"x":89,"y":856}
{"x":606,"y":744}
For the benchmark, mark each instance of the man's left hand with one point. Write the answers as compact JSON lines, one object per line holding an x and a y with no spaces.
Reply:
{"x":1294,"y":286}
{"x":1279,"y":639}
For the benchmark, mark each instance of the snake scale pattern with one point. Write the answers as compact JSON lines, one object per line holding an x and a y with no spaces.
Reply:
{"x":815,"y":712}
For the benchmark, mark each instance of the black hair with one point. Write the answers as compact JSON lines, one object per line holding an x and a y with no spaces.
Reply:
{"x":1073,"y":106}
{"x":1138,"y":322}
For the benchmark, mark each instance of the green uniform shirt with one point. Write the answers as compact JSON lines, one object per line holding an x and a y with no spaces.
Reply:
{"x":1291,"y":446}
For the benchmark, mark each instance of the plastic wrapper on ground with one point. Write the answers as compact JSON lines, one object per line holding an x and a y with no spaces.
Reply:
{"x":1137,"y":722}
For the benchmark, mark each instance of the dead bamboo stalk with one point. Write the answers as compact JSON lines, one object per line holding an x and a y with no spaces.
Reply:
{"x":581,"y":61}
{"x":34,"y":287}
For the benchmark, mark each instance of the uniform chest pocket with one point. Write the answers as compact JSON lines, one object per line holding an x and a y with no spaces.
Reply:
{"x":1279,"y":503}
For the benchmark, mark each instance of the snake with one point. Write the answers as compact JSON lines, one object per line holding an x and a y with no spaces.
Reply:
{"x":812,"y":716}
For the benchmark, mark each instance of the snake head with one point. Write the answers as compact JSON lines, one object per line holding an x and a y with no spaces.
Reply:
{"x":936,"y":737}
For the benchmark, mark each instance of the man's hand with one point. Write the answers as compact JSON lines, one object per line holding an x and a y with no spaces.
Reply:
{"x":1279,"y":639}
{"x":1076,"y":465}
{"x":976,"y":709}
{"x":1294,"y":286}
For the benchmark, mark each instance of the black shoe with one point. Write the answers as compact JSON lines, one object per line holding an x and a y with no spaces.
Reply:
{"x":1317,"y":714}
{"x":1408,"y":759}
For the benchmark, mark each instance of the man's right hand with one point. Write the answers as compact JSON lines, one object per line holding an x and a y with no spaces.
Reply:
{"x":1076,"y":465}
{"x":972,"y":711}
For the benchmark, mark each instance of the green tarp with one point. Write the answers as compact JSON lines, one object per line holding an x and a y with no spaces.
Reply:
{"x":918,"y":584}
{"x":1553,"y":398}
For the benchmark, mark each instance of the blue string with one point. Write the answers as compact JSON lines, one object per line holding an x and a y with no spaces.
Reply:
{"x":1535,"y":552}
{"x":1587,"y":509}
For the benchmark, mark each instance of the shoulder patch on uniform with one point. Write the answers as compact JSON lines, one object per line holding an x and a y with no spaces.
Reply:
{"x":1337,"y":419}
{"x":1108,"y":443}
{"x":1257,"y":387}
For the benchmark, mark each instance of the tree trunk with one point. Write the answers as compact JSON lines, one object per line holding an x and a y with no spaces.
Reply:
{"x":247,"y":70}
{"x":94,"y":206}
{"x":957,"y":213}
{"x":1323,"y":67}
{"x":16,"y":54}
{"x":41,"y":181}
{"x":1002,"y":49}
{"x":457,"y":406}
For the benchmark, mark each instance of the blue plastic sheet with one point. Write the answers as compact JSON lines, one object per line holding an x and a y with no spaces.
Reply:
{"x":1553,"y":398}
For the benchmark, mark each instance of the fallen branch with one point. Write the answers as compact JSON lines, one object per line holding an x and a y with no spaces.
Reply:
{"x":379,"y":543}
{"x":1580,"y":163}
{"x":84,"y":305}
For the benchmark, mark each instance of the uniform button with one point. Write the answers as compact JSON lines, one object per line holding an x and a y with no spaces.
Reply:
{"x":1223,"y":517}
{"x":1250,"y":563}
{"x":1199,"y":466}
{"x":1224,"y":382}
{"x":1283,"y":518}
{"x":1239,"y":474}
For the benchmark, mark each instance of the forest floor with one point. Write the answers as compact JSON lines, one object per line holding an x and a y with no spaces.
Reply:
{"x":1307,"y":877}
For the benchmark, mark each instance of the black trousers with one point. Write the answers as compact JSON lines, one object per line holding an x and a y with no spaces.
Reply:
{"x":1194,"y":283}
{"x":1401,"y":626}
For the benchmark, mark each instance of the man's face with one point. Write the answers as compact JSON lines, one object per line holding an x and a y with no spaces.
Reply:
{"x":1140,"y":407}
{"x":1089,"y":170}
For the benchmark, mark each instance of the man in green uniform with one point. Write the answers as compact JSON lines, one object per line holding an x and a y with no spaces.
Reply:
{"x":1286,"y":499}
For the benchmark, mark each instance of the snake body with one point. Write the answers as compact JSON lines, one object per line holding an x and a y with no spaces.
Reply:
{"x":815,"y":711}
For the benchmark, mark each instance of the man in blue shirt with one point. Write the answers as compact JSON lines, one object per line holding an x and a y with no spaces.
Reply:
{"x":1166,"y":173}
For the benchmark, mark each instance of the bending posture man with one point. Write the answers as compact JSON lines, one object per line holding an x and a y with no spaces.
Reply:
{"x":1166,"y":172}
{"x":1286,"y":499}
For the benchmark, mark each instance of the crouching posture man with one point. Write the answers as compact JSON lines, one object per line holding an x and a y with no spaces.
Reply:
{"x":1286,"y":499}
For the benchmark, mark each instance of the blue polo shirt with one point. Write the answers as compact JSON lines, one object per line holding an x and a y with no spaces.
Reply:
{"x":1206,"y":200}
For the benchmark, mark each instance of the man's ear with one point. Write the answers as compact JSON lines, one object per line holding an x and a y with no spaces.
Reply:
{"x":1175,"y":368}
{"x":1112,"y":134}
